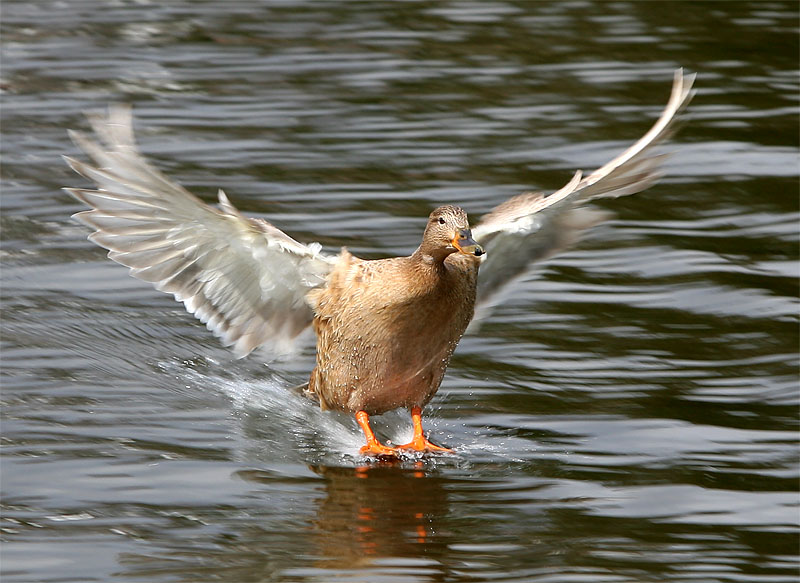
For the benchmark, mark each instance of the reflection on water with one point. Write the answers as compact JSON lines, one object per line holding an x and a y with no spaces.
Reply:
{"x":629,"y":413}
{"x":373,"y":512}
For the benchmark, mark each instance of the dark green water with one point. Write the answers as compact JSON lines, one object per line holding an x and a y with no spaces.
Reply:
{"x":630,"y":412}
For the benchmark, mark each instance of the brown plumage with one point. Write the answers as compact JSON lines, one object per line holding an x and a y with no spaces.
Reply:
{"x":385,"y":328}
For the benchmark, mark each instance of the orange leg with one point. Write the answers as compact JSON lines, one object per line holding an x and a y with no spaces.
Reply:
{"x":373,"y":447}
{"x":418,"y":442}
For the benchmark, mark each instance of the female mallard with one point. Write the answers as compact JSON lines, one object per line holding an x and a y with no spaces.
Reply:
{"x":385,"y":328}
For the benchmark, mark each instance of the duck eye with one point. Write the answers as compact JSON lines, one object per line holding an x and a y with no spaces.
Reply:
{"x":442,"y":221}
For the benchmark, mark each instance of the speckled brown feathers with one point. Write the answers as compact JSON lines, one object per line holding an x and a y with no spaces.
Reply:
{"x":386,"y":328}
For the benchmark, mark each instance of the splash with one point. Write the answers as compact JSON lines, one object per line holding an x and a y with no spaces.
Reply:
{"x":274,"y":417}
{"x":275,"y":423}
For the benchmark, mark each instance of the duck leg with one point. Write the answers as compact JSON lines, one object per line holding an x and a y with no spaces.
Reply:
{"x":373,"y":447}
{"x":419,"y":442}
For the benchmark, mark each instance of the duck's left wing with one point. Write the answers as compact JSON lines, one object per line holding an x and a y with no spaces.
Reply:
{"x":243,"y":277}
{"x":531,"y":226}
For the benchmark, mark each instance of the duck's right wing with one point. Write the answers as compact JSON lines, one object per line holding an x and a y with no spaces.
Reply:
{"x":243,"y":277}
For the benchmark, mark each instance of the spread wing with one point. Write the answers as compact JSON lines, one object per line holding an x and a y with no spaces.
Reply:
{"x":531,"y":226}
{"x":243,"y":277}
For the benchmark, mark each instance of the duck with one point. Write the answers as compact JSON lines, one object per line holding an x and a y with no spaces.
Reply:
{"x":385,"y":328}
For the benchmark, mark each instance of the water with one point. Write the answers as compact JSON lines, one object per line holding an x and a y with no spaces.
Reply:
{"x":628,"y":414}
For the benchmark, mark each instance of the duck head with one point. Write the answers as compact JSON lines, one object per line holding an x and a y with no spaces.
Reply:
{"x":448,"y":232}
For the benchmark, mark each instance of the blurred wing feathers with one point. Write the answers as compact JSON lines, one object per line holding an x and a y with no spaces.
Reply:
{"x":244,"y":278}
{"x":531,"y":226}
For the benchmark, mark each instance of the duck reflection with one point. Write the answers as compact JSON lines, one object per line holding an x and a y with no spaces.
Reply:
{"x":380,"y":510}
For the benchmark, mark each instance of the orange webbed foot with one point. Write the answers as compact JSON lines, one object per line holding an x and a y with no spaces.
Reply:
{"x":419,"y":442}
{"x":374,"y":448}
{"x":378,"y":450}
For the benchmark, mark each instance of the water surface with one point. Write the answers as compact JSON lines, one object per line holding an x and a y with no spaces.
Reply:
{"x":629,"y":413}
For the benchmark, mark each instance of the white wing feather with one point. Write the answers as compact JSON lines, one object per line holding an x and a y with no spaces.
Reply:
{"x":531,"y":226}
{"x":243,"y":277}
